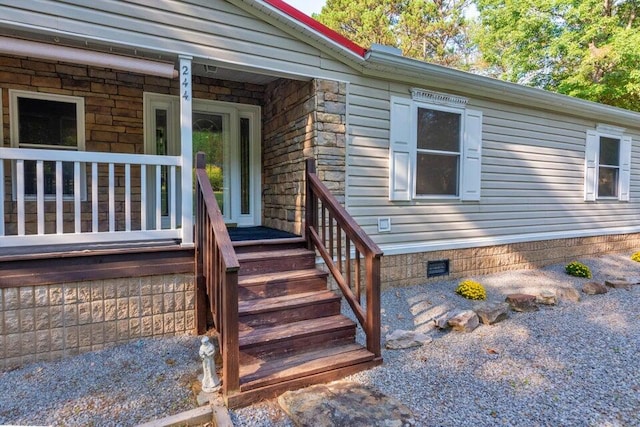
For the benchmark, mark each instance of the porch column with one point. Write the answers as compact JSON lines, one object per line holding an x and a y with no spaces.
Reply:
{"x":184,"y":74}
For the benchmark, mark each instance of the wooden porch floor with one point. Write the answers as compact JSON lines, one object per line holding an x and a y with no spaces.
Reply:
{"x":50,"y":264}
{"x":79,"y":249}
{"x":237,"y":234}
{"x":42,"y":264}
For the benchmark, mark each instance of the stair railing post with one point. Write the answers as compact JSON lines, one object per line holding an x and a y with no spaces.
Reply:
{"x":373,"y":304}
{"x":310,"y":204}
{"x":201,"y":291}
{"x":231,"y":346}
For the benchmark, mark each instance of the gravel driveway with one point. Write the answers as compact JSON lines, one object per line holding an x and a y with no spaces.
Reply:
{"x":574,"y":364}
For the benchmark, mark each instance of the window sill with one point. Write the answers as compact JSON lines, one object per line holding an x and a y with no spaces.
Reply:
{"x":436,"y":198}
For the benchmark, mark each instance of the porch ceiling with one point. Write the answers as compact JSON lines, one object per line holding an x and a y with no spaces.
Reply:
{"x":216,"y":72}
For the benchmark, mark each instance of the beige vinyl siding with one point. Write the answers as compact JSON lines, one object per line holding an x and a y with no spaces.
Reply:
{"x":532,"y":180}
{"x":207,"y":29}
{"x":532,"y":160}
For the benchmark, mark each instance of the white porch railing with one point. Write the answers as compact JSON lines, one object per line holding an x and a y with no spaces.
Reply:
{"x":107,"y":210}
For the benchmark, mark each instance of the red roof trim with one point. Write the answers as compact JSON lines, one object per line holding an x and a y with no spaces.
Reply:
{"x":319,"y":27}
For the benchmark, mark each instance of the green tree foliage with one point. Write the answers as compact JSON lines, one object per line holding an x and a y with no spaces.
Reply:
{"x":430,"y":30}
{"x":584,"y":48}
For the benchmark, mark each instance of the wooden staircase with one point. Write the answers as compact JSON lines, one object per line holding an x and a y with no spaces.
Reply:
{"x":291,"y":333}
{"x":279,"y":327}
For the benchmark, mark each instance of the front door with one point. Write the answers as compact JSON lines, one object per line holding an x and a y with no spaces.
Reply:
{"x":229,"y":135}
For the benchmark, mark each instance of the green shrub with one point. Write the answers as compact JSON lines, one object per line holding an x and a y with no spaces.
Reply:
{"x":215,"y":177}
{"x":636,"y":256}
{"x":471,"y":290}
{"x":578,"y":269}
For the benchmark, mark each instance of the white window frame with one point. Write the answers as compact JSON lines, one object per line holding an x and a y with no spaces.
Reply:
{"x":403,"y":149}
{"x":458,"y":154}
{"x":153,"y":102}
{"x":14,"y":133}
{"x":592,"y":163}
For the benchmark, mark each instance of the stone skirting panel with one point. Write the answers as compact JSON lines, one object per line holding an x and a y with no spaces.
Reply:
{"x":301,"y":120}
{"x":411,"y":269}
{"x":50,"y":322}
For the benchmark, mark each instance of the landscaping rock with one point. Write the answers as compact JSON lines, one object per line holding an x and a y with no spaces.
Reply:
{"x":344,"y":404}
{"x":492,"y":312}
{"x":547,"y":297}
{"x":568,"y":294}
{"x":522,"y":302}
{"x":464,"y":321}
{"x":441,"y":322}
{"x":400,"y":339}
{"x":618,"y":284}
{"x":594,"y":288}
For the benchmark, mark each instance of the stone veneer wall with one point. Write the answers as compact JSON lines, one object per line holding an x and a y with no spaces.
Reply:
{"x":411,"y":269}
{"x":54,"y":321}
{"x":113,"y":102}
{"x":301,"y":120}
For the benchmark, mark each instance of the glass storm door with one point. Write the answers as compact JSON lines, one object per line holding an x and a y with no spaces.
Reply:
{"x":211,"y":136}
{"x":226,"y":136}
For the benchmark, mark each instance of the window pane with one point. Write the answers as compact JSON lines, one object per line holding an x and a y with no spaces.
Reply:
{"x":609,"y":151}
{"x":161,"y":132}
{"x":161,"y":149}
{"x":607,"y":182}
{"x":438,"y":130}
{"x":46,"y":122}
{"x":245,"y":170}
{"x":437,"y":175}
{"x":49,"y":169}
{"x":208,"y":137}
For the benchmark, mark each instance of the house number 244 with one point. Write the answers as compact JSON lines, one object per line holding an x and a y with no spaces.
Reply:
{"x":186,"y":82}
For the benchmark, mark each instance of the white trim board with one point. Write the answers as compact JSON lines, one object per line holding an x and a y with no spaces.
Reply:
{"x":394,"y":249}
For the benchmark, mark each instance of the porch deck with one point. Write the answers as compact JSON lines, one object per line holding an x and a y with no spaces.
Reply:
{"x":242,"y":234}
{"x":41,"y":264}
{"x":47,"y":264}
{"x":14,"y":253}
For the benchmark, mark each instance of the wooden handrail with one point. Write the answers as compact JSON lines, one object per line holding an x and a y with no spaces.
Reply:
{"x":360,"y":238}
{"x":217,"y":277}
{"x":319,"y":231}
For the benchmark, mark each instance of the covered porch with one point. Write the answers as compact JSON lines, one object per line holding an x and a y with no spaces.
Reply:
{"x":112,"y":161}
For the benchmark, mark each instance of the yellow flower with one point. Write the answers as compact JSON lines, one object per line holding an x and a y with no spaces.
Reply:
{"x":471,"y":290}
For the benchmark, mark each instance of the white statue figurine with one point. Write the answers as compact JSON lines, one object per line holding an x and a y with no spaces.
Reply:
{"x":210,"y":380}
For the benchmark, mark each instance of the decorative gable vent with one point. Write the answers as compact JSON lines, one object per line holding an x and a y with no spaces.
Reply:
{"x":423,"y":95}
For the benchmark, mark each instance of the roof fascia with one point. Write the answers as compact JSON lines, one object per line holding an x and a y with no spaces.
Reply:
{"x":317,"y":26}
{"x":387,"y":65}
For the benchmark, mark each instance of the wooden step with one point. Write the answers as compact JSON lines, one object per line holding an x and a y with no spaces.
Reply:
{"x":281,"y":283}
{"x":276,"y":260}
{"x":247,"y":397}
{"x":255,"y":372}
{"x":297,"y":336}
{"x":257,"y":313}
